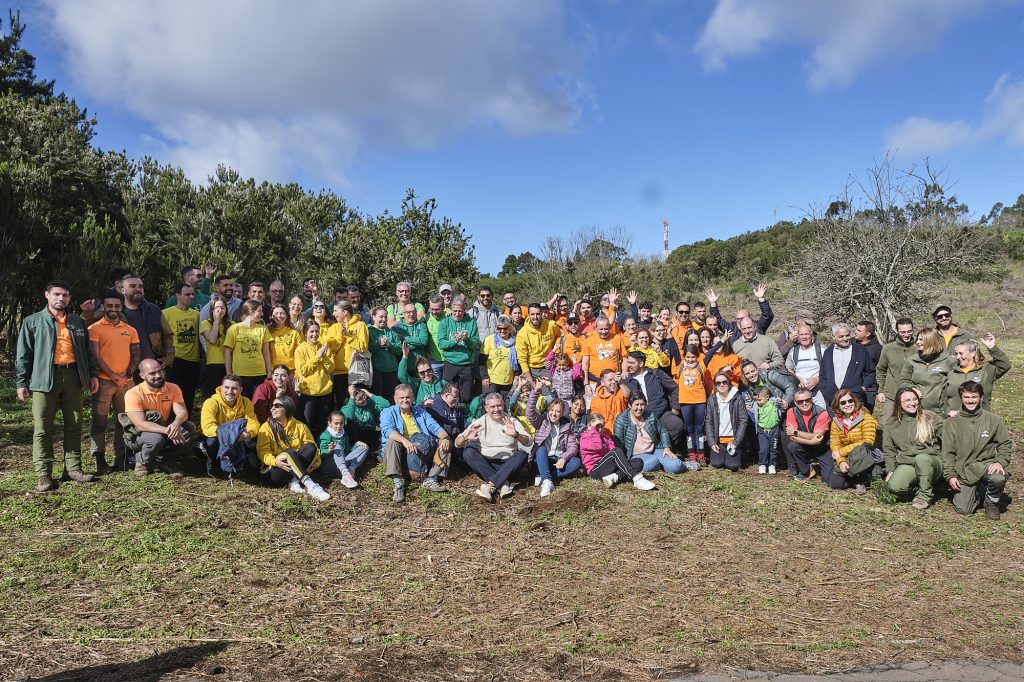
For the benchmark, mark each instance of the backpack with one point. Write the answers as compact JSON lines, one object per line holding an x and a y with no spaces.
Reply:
{"x":360,"y":369}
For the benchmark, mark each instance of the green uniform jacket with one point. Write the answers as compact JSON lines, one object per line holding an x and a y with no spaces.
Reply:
{"x":415,"y":337}
{"x":900,"y":442}
{"x":970,"y":442}
{"x":890,"y":366}
{"x":961,"y":335}
{"x":422,"y":389}
{"x":985,"y":375}
{"x":385,"y":359}
{"x":37,"y":340}
{"x":460,"y":353}
{"x":367,"y":416}
{"x":927,"y":377}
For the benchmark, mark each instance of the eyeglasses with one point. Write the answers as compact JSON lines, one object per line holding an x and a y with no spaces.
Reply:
{"x":319,"y":307}
{"x":425,"y":372}
{"x":277,"y":405}
{"x":847,"y":402}
{"x":403,"y":291}
{"x":803,"y":402}
{"x":485,"y":296}
{"x":722,"y":383}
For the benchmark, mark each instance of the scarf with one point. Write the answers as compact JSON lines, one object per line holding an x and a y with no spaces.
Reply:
{"x":929,"y":357}
{"x":513,"y":360}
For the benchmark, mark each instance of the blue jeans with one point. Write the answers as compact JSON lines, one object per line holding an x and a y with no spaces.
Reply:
{"x":767,"y":446}
{"x":693,"y":416}
{"x":658,"y":460}
{"x":330,"y":466}
{"x":542,"y":465}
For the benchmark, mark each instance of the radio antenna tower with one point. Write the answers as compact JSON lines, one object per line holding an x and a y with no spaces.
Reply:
{"x":664,"y":253}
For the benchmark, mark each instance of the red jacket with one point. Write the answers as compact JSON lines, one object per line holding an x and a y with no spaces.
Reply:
{"x":264,"y":395}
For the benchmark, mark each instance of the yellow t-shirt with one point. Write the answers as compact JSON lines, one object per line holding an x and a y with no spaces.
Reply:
{"x":498,"y":367}
{"x":246,"y":344}
{"x":283,"y":342}
{"x":185,"y":330}
{"x":409,"y":425}
{"x":214,"y":351}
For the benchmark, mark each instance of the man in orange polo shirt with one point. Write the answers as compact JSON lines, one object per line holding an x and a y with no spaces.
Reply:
{"x":172,"y":427}
{"x":115,"y":345}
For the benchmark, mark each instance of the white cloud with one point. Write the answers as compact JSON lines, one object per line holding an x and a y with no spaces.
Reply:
{"x":844,"y":37}
{"x":1002,"y":118}
{"x":272,"y":87}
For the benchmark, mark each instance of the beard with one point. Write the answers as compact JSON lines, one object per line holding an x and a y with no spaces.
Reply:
{"x":156,"y":383}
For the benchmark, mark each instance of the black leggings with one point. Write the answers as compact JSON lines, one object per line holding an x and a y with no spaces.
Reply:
{"x":278,"y":478}
{"x":314,"y":410}
{"x":617,"y":462}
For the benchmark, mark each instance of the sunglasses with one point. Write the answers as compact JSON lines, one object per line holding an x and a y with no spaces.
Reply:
{"x":943,"y":316}
{"x":721,"y":383}
{"x":803,"y":402}
{"x":277,"y":405}
{"x":683,"y":312}
{"x":319,"y":307}
{"x":425,"y":372}
{"x":847,"y":402}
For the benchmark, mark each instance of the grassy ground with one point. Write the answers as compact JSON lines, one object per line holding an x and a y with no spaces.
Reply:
{"x":126,"y":579}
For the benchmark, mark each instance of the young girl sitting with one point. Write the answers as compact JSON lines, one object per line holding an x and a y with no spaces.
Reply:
{"x":605,"y":462}
{"x":338,"y":460}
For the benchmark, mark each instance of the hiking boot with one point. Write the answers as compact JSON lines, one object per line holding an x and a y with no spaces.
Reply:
{"x":992,"y":510}
{"x":546,"y":487}
{"x":920,"y":503}
{"x":141,"y":470}
{"x":433,"y":485}
{"x":860,"y":489}
{"x":610,"y":479}
{"x":101,"y":465}
{"x":45,"y":484}
{"x":78,"y":476}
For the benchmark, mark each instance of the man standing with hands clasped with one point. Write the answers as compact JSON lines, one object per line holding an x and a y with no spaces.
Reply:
{"x":53,"y":366}
{"x":115,"y":347}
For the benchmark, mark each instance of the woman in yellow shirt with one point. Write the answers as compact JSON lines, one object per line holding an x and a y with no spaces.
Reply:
{"x":283,"y":339}
{"x":654,"y":358}
{"x":286,"y":450}
{"x":212,"y":333}
{"x":314,"y":364}
{"x":247,"y":348}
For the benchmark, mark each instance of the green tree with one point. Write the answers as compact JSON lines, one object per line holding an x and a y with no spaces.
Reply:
{"x":518,"y":265}
{"x":18,"y":66}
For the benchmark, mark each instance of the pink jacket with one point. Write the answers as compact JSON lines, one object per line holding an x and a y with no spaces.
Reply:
{"x":594,"y":445}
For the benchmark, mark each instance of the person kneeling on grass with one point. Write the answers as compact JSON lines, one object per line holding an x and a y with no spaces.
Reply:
{"x":604,"y":462}
{"x":912,"y":449}
{"x":492,"y":448}
{"x":339,"y":460}
{"x":286,"y":449}
{"x":852,"y":440}
{"x":976,"y":450}
{"x":640,"y":434}
{"x":725,"y":423}
{"x":554,"y":442}
{"x":413,"y":444}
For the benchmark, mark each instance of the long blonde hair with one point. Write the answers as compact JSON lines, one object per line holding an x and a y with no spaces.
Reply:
{"x":925,"y":423}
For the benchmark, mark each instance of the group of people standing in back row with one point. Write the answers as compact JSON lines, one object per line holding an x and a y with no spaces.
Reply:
{"x":610,"y":387}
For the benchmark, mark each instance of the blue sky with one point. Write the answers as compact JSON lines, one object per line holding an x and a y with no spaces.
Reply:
{"x":538,"y":117}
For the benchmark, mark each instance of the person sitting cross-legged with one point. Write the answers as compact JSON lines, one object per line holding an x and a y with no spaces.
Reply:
{"x":640,"y":434}
{"x":413,"y":444}
{"x":340,"y":460}
{"x":286,"y":449}
{"x":493,"y":448}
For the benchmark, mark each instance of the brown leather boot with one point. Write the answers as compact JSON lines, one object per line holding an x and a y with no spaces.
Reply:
{"x":46,"y":484}
{"x":141,"y":470}
{"x":78,"y":476}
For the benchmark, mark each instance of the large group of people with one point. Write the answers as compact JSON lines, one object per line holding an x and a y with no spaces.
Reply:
{"x":302,"y":389}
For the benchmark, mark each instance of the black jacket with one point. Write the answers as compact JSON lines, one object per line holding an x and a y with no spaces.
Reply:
{"x":860,"y":376}
{"x":662,"y":391}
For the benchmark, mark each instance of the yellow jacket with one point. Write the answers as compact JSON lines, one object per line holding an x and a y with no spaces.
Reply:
{"x":533,"y":345}
{"x":216,"y":411}
{"x":344,"y":340}
{"x":654,"y":358}
{"x":863,"y":432}
{"x":297,"y":433}
{"x":314,"y":373}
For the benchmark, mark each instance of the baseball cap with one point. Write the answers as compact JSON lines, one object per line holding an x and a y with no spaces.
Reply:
{"x":445,"y":287}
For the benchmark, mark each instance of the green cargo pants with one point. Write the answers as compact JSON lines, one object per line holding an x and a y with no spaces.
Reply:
{"x":67,"y":395}
{"x":925,"y":472}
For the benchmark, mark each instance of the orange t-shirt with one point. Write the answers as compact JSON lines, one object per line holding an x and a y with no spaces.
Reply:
{"x":572,"y":345}
{"x":63,"y":351}
{"x":114,"y":342}
{"x":604,"y":354}
{"x":142,"y":398}
{"x":691,"y":386}
{"x":608,"y":406}
{"x":718,"y":361}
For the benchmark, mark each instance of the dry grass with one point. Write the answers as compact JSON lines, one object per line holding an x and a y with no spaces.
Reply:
{"x":128,"y":580}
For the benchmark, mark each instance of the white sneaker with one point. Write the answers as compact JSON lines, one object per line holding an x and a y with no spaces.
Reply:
{"x":295,"y":486}
{"x":506,"y":490}
{"x":485,"y":492}
{"x":771,"y":469}
{"x":536,"y":481}
{"x":318,"y":493}
{"x":762,"y":469}
{"x":641,"y":483}
{"x":348,"y":481}
{"x":547,"y":487}
{"x":610,"y":479}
